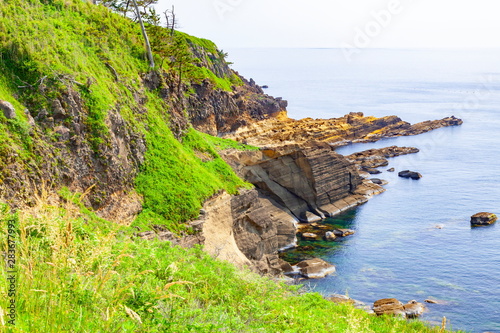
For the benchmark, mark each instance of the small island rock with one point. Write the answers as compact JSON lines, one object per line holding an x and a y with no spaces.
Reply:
{"x":409,"y":174}
{"x":482,"y":218}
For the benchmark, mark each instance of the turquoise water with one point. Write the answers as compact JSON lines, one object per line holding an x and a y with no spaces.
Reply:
{"x":397,"y":250}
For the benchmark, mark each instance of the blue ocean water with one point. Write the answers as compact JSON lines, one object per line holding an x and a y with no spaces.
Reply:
{"x":414,"y":241}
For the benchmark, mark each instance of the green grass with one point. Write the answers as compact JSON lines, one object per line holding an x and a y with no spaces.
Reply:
{"x":78,"y":273}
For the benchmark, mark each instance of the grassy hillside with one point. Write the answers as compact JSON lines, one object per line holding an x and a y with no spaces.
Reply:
{"x":79,"y":273}
{"x":76,"y":272}
{"x":48,"y":47}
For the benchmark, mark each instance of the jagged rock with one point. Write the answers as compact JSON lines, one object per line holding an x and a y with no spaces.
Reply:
{"x":58,"y":111}
{"x":481,"y":219}
{"x":8,"y":110}
{"x":413,"y":309}
{"x":315,"y":268}
{"x":389,"y":306}
{"x":343,"y":232}
{"x":62,"y":132}
{"x":197,"y":225}
{"x":409,"y":174}
{"x":391,"y":170}
{"x":350,"y":128}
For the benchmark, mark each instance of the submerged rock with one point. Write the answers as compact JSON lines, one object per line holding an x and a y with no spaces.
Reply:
{"x":409,"y":174}
{"x":483,"y":218}
{"x":315,"y":268}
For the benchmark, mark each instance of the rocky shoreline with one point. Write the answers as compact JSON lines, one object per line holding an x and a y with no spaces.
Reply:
{"x":299,"y":179}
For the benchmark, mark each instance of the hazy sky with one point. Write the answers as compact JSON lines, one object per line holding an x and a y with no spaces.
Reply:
{"x":341,"y":23}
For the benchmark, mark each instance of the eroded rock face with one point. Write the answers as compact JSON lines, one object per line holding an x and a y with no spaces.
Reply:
{"x":312,"y":182}
{"x":482,"y":219}
{"x":248,"y":230}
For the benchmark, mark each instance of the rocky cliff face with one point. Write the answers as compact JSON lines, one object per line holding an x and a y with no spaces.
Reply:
{"x":217,"y":111}
{"x":293,"y":185}
{"x":307,"y":181}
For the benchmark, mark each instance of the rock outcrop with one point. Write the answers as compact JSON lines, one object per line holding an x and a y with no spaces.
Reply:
{"x":351,"y":128}
{"x":391,"y":306}
{"x":312,"y":183}
{"x":248,"y":230}
{"x":482,"y":219}
{"x":374,"y":158}
{"x":314,"y":268}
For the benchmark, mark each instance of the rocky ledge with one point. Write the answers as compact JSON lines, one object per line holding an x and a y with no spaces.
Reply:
{"x":351,"y":128}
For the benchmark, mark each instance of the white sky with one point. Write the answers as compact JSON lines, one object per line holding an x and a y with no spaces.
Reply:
{"x":341,"y":23}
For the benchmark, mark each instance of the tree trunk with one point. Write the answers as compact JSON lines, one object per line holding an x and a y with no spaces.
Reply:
{"x":144,"y":33}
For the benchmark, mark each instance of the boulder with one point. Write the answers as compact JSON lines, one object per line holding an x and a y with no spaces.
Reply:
{"x":315,"y":268}
{"x":343,"y":232}
{"x":330,"y":236}
{"x":8,"y":110}
{"x":309,"y":235}
{"x":483,"y":218}
{"x":413,"y":309}
{"x":372,"y":171}
{"x":391,"y":170}
{"x":409,"y":174}
{"x":377,"y":181}
{"x":389,"y":306}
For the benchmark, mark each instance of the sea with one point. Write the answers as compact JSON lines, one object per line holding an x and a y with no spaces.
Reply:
{"x":414,"y":241}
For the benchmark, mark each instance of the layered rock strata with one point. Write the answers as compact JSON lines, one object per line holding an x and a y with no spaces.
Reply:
{"x":248,"y":230}
{"x":312,"y":183}
{"x":351,"y":128}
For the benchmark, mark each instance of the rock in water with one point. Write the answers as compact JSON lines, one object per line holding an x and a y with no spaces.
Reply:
{"x":343,"y":232}
{"x":482,"y":218}
{"x":330,"y":236}
{"x":413,"y":309}
{"x":315,"y":268}
{"x":409,"y":174}
{"x":390,"y":306}
{"x":309,"y":235}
